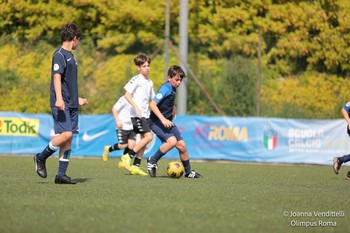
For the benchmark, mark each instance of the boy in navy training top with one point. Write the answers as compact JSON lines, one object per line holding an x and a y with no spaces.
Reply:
{"x":163,"y":112}
{"x":338,"y":161}
{"x":64,"y":103}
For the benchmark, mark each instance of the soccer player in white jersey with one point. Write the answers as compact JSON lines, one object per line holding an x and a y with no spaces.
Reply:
{"x":125,"y":133}
{"x":139,"y":92}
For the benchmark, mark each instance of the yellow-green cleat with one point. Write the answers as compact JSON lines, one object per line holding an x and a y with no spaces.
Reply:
{"x":105,"y":153}
{"x":136,"y":170}
{"x":125,"y":162}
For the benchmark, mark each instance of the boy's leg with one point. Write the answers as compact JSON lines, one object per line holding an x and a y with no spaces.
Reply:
{"x":189,"y":173}
{"x":153,"y":160}
{"x":129,"y":136}
{"x":138,"y":149}
{"x":109,"y":149}
{"x":145,"y":139}
{"x":122,"y":136}
{"x":181,"y":147}
{"x":345,"y":158}
{"x":141,"y":127}
{"x":135,"y":168}
{"x":69,"y":127}
{"x":166,"y":136}
{"x":138,"y":157}
{"x":62,"y":123}
{"x":163,"y":149}
{"x":64,"y":157}
{"x":63,"y":162}
{"x":40,"y":159}
{"x":338,"y":161}
{"x":169,"y":142}
{"x":48,"y":151}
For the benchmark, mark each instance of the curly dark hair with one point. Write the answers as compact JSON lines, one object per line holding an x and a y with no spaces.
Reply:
{"x":69,"y":31}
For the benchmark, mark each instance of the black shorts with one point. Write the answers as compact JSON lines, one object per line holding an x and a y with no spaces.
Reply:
{"x":125,"y":135}
{"x":140,"y":125}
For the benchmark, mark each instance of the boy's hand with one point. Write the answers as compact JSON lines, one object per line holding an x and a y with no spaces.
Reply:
{"x":82,"y":101}
{"x":60,"y":104}
{"x":167,"y":123}
{"x":119,"y":124}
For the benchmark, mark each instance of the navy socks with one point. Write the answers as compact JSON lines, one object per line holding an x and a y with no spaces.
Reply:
{"x":187,"y":166}
{"x":47,"y":152}
{"x":63,"y":163}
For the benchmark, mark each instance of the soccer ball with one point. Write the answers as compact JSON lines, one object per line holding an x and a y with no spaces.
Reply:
{"x":175,"y":169}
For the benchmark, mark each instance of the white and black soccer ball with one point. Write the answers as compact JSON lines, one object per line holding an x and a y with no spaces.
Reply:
{"x":175,"y":169}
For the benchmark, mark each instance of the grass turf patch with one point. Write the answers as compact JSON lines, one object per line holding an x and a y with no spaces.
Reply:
{"x":232,"y":197}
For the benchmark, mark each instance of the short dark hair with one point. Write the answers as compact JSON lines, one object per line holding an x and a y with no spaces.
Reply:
{"x":176,"y":70}
{"x":69,"y":31}
{"x":141,"y":59}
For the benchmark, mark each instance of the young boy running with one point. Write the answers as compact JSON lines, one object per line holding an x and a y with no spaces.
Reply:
{"x":138,"y":92}
{"x":125,"y":133}
{"x":163,"y":112}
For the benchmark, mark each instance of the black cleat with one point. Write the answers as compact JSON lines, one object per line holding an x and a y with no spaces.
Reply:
{"x":336,"y":165}
{"x":193,"y":174}
{"x":64,"y":180}
{"x":40,"y":166}
{"x":151,"y":168}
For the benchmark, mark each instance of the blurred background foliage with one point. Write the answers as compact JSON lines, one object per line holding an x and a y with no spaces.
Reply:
{"x":304,"y":49}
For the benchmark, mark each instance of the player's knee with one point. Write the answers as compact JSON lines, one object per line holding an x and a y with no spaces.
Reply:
{"x":67,"y":135}
{"x":149,"y":137}
{"x":181,"y":146}
{"x":171,"y":142}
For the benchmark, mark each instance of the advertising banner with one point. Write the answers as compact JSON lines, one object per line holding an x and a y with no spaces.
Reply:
{"x":250,"y":139}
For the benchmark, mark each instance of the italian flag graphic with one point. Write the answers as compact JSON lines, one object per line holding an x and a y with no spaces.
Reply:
{"x":270,"y":141}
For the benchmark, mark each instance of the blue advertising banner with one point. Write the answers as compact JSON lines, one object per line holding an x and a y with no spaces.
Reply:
{"x":251,"y":139}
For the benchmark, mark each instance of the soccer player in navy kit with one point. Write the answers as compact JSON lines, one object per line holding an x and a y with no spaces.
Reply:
{"x":160,"y":121}
{"x":338,"y":161}
{"x":64,"y":102}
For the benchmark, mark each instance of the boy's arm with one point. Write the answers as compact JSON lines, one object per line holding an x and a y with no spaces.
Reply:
{"x":58,"y":91}
{"x":128,"y":97}
{"x":118,"y":123}
{"x":82,"y":101}
{"x":153,"y":106}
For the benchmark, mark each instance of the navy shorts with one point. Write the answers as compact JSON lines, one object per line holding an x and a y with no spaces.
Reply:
{"x":65,"y":120}
{"x":163,"y":133}
{"x":125,"y":135}
{"x":140,"y":125}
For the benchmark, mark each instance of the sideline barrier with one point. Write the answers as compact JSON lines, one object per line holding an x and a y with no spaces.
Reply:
{"x":250,"y":139}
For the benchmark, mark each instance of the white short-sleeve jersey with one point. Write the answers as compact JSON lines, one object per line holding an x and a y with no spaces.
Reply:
{"x":142,"y":92}
{"x":123,"y":108}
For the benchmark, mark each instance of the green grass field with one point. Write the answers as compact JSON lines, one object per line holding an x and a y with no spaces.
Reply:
{"x":232,"y":197}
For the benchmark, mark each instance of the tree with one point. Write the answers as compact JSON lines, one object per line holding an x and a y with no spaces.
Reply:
{"x":237,"y":87}
{"x":302,"y":41}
